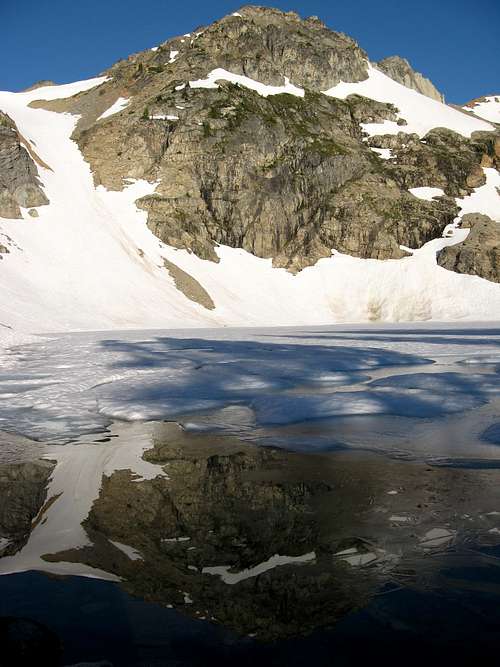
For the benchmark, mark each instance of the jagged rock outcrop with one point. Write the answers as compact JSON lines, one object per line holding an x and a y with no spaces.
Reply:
{"x":19,"y":183}
{"x":446,"y":159}
{"x":479,"y":254}
{"x":401,"y":71}
{"x":267,"y":44}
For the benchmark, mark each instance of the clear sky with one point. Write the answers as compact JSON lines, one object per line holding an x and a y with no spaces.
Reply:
{"x":456,"y":43}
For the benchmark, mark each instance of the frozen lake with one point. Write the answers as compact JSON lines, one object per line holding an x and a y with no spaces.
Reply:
{"x":423,"y":390}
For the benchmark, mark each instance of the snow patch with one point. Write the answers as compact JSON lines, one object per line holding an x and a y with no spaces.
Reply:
{"x":356,"y":558}
{"x":176,"y":539}
{"x":384,"y":153}
{"x":220,"y":74}
{"x":426,"y":193}
{"x":120,"y":104}
{"x":163,"y":117}
{"x":231,"y":578}
{"x":129,"y":551}
{"x":4,"y":543}
{"x":59,"y":92}
{"x":437,"y":537}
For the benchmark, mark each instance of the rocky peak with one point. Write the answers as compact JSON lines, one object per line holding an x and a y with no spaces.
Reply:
{"x":267,"y":45}
{"x":266,"y":15}
{"x":401,"y":71}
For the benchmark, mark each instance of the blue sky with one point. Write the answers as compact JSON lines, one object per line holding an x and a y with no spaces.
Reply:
{"x":454,"y":42}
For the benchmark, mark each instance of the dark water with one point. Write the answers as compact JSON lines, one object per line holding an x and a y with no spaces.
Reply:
{"x":96,"y":621}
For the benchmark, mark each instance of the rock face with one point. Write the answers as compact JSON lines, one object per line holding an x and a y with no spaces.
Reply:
{"x":479,"y":254}
{"x":302,"y":185}
{"x":19,"y":184}
{"x":401,"y":71}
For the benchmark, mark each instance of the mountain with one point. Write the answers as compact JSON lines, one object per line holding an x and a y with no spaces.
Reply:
{"x":256,"y":171}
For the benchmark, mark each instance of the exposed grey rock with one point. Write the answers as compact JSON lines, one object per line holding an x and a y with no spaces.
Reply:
{"x":267,"y":44}
{"x":479,"y":254}
{"x":19,"y":184}
{"x":401,"y":71}
{"x":189,"y":286}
